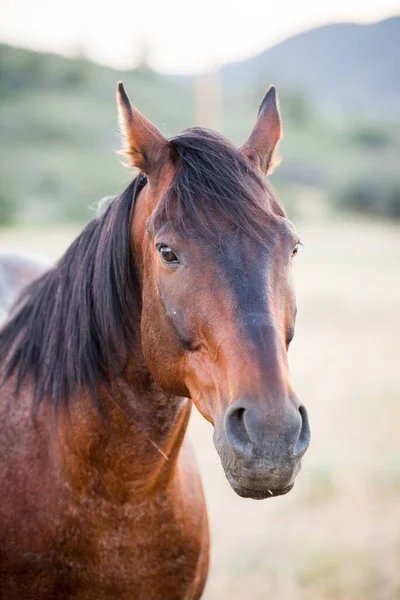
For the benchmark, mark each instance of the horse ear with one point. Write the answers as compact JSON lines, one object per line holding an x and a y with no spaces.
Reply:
{"x":145,"y":146}
{"x":261,"y":145}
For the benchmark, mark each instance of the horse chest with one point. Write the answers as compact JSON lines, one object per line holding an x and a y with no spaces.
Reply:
{"x":104,"y":538}
{"x":96,"y":549}
{"x":127,"y":553}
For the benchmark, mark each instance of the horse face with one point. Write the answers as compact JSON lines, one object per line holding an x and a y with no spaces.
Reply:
{"x":218,"y":318}
{"x":216,"y":327}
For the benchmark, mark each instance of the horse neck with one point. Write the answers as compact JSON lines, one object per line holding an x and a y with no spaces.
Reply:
{"x":131,"y":449}
{"x":136,"y":447}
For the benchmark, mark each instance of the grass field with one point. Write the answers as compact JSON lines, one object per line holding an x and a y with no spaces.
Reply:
{"x":336,"y":536}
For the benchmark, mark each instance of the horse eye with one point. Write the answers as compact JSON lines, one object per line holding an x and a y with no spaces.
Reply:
{"x":295,"y":251}
{"x":167,"y":255}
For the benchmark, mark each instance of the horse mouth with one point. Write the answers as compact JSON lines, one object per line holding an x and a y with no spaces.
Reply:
{"x":259,"y":493}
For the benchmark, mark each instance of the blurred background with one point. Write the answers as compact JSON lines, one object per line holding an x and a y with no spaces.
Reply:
{"x":337,"y":534}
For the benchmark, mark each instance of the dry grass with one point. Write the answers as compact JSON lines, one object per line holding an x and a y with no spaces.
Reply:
{"x":337,"y":534}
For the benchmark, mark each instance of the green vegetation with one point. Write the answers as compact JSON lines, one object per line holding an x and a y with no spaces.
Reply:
{"x":373,"y":196}
{"x":58,"y":131}
{"x":58,"y":134}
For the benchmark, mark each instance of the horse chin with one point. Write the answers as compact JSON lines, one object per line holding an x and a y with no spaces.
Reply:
{"x":258,"y":492}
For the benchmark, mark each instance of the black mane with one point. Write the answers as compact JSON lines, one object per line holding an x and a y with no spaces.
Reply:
{"x":73,"y":328}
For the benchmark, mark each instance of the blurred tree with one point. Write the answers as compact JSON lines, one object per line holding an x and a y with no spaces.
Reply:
{"x":295,"y":106}
{"x":7,"y":210}
{"x":370,"y":136}
{"x":372,"y":196}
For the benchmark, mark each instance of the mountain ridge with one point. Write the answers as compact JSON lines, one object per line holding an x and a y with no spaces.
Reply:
{"x":342,"y":65}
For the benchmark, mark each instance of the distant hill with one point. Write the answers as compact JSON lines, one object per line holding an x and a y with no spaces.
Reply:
{"x":58,"y":122}
{"x":342,"y":66}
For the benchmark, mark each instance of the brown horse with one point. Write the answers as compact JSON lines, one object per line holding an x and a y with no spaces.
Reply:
{"x":181,"y":291}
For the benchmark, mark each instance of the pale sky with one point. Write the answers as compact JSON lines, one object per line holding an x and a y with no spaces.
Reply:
{"x":183,"y":36}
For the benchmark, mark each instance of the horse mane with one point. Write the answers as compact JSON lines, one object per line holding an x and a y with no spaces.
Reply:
{"x":73,"y":328}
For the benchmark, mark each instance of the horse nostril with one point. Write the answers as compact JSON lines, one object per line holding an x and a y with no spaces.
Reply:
{"x":236,"y":431}
{"x":304,"y":438}
{"x":240,"y":414}
{"x":248,"y":432}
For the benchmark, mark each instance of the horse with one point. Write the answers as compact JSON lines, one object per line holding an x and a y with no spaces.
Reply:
{"x":16,"y":271}
{"x":181,"y":293}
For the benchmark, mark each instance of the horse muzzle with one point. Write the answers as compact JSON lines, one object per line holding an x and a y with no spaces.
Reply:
{"x":261,"y":456}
